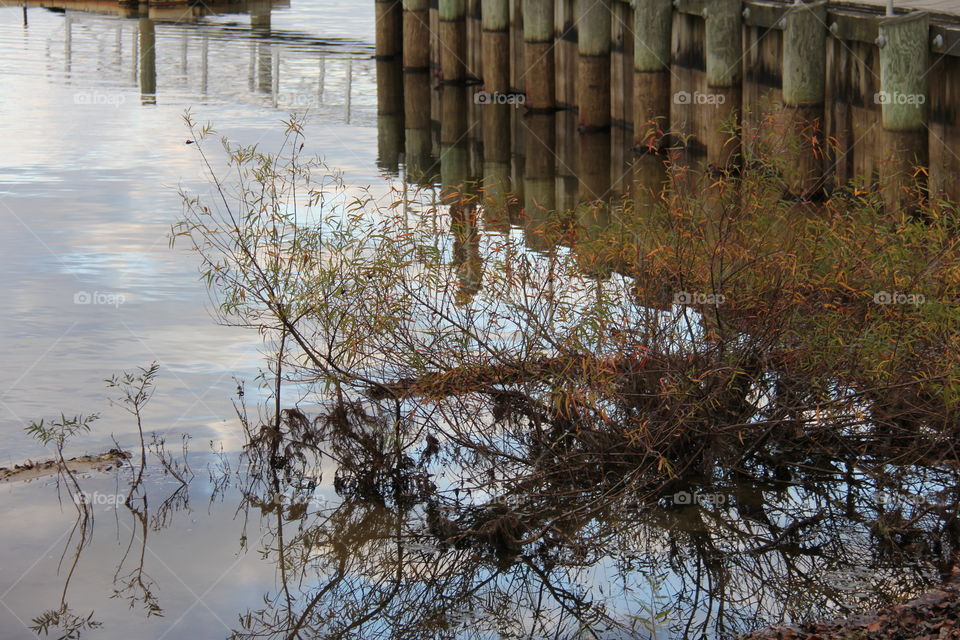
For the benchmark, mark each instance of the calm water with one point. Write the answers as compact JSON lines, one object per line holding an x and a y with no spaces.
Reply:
{"x":93,"y":155}
{"x":89,"y":172}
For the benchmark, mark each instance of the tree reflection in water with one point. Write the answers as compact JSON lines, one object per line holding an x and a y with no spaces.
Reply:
{"x":403,"y":557}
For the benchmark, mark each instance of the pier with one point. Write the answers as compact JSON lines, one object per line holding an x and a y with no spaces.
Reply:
{"x":840,"y":91}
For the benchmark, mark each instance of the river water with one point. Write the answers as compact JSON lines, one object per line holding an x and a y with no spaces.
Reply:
{"x":89,"y":172}
{"x":94,"y":152}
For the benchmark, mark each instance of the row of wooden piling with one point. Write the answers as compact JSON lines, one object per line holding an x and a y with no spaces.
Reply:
{"x":673,"y":72}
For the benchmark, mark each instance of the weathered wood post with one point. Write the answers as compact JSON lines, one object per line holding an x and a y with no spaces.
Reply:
{"x":260,"y":18}
{"x":904,"y":66}
{"x":565,"y":53}
{"x":652,"y":27}
{"x":496,"y":45}
{"x":593,"y":67}
{"x":539,"y":77}
{"x":944,"y":124}
{"x":621,"y":66}
{"x":724,"y":53}
{"x":453,"y":40}
{"x":389,"y":28}
{"x":804,"y":85}
{"x":416,"y":34}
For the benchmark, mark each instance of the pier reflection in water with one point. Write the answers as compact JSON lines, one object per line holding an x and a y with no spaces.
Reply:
{"x":205,"y":55}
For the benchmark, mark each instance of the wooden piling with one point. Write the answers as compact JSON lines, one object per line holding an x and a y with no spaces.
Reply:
{"x":496,"y":45}
{"x":904,"y":67}
{"x":474,"y":41}
{"x":803,"y":87}
{"x":539,"y":76}
{"x":389,"y":29}
{"x":621,"y":65}
{"x":593,"y":66}
{"x":565,"y":54}
{"x":652,"y":26}
{"x":416,"y":34}
{"x":944,"y":128}
{"x":688,"y":80}
{"x":260,"y":18}
{"x":723,"y":48}
{"x":453,"y":40}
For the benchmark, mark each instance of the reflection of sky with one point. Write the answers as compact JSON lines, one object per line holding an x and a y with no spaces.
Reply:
{"x":34,"y":582}
{"x":88,"y":191}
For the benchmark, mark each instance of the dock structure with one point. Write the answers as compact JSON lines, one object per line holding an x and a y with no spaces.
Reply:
{"x":836,"y":91}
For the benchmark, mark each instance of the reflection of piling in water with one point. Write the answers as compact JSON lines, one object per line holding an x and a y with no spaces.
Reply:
{"x":148,"y":62}
{"x":466,"y":249}
{"x":539,"y":180}
{"x":454,"y":145}
{"x":458,"y":189}
{"x":649,"y":177}
{"x":568,"y":184}
{"x":417,"y":144}
{"x":204,"y":64}
{"x":67,"y":41}
{"x":497,"y":187}
{"x":593,"y":166}
{"x":264,"y":67}
{"x":390,"y":108}
{"x":539,"y":76}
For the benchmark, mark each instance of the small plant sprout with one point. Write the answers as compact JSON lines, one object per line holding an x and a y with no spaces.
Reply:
{"x":56,"y":434}
{"x":136,"y":389}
